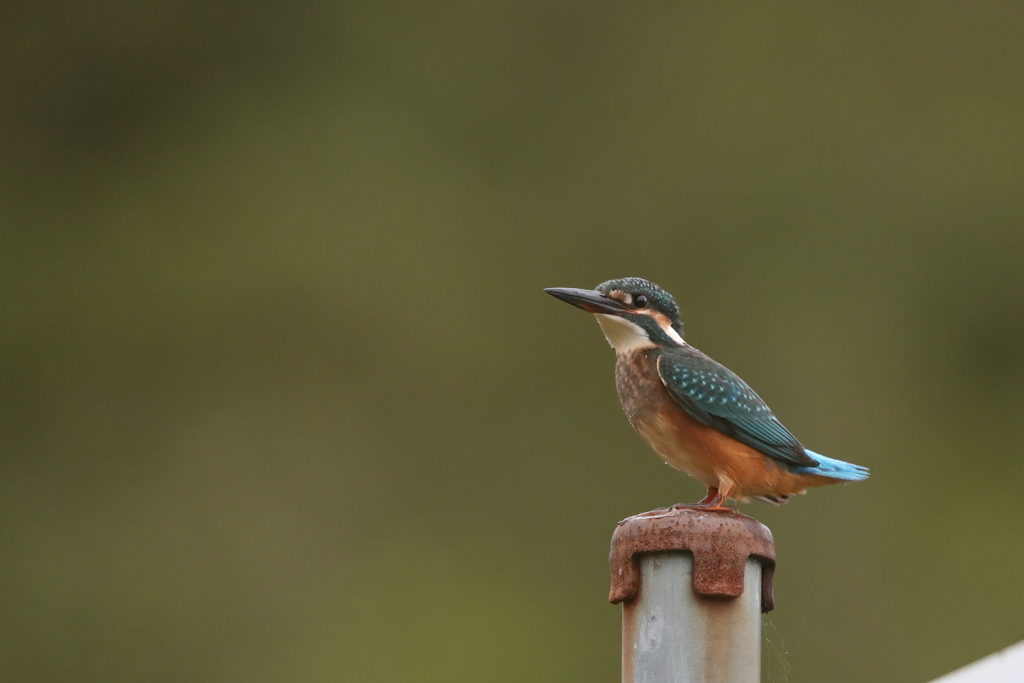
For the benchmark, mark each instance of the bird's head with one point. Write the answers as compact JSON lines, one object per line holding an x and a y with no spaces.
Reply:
{"x":633,"y":313}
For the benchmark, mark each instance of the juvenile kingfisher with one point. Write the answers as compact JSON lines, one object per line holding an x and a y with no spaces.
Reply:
{"x":696,"y":414}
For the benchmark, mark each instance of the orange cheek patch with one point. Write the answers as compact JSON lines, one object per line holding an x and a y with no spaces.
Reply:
{"x":661,"y":319}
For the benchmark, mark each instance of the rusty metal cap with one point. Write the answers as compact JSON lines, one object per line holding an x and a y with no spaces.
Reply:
{"x":720,"y":542}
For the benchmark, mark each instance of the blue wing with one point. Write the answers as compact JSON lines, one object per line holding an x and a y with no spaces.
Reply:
{"x":715,"y":396}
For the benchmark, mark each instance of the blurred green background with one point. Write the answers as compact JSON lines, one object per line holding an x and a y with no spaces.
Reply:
{"x":282,"y":399}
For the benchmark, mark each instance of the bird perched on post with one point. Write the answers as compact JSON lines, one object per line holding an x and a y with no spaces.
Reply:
{"x":698,"y":415}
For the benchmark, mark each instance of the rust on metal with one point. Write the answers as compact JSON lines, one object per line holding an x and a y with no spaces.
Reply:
{"x":720,"y":541}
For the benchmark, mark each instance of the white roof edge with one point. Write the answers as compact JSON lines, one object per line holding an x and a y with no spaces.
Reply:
{"x":1005,"y":666}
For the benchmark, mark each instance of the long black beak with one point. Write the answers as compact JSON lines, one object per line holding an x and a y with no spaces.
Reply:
{"x":589,"y":300}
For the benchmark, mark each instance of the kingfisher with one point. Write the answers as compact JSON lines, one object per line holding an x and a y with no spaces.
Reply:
{"x":696,"y":414}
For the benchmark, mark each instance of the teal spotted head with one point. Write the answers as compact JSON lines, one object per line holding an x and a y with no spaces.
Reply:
{"x":633,"y":313}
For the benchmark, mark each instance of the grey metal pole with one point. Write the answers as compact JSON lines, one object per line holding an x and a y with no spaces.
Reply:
{"x":693,"y":585}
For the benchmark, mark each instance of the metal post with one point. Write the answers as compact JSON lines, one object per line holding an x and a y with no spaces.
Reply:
{"x":686,"y":618}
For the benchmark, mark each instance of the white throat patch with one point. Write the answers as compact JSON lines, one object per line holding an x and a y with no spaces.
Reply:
{"x":670,"y":331}
{"x":622,"y":334}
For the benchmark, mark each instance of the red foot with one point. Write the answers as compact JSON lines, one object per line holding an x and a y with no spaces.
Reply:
{"x":711,"y":497}
{"x":720,"y":508}
{"x":713,"y":501}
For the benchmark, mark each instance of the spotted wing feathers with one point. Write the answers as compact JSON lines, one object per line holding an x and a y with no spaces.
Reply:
{"x":715,"y":396}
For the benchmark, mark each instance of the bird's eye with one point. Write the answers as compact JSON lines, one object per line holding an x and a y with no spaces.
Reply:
{"x":640,"y":301}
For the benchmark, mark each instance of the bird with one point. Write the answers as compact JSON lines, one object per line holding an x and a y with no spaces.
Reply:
{"x":696,"y":414}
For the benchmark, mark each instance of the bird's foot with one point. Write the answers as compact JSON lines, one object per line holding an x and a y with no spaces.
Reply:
{"x":720,"y":508}
{"x":688,"y":506}
{"x":713,"y":502}
{"x":669,"y":511}
{"x":712,"y":496}
{"x":703,"y":508}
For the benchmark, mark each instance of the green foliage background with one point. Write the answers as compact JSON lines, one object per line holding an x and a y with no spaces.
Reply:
{"x":281,"y":398}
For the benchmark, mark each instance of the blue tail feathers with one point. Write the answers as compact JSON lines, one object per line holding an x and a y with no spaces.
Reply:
{"x":835,"y":469}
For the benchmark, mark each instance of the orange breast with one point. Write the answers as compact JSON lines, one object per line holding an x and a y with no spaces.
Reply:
{"x":735,"y":469}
